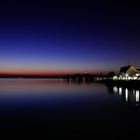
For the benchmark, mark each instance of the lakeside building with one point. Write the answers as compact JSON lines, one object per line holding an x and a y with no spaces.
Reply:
{"x":129,"y":73}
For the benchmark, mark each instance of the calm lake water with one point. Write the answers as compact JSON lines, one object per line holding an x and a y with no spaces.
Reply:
{"x":65,"y":108}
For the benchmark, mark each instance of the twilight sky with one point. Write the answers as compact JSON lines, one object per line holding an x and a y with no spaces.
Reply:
{"x":44,"y":37}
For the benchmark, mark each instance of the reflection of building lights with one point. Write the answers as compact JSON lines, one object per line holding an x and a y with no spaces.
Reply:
{"x":70,"y":80}
{"x":120,"y":91}
{"x":115,"y":89}
{"x":76,"y":80}
{"x":84,"y":80}
{"x":126,"y":94}
{"x":137,"y":95}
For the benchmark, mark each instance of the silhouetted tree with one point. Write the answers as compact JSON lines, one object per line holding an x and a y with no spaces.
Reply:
{"x":111,"y":74}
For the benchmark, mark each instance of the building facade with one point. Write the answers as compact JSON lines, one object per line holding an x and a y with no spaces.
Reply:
{"x":129,"y":73}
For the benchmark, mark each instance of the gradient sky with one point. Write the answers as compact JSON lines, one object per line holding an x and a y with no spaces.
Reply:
{"x":68,"y":36}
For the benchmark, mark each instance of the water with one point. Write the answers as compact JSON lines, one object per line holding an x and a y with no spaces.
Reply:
{"x":65,"y":108}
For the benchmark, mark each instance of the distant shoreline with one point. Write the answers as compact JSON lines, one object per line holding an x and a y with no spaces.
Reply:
{"x":80,"y":79}
{"x":31,"y":76}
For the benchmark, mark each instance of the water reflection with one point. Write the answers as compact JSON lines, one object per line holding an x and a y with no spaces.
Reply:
{"x":120,"y":91}
{"x":61,"y":106}
{"x":115,"y":89}
{"x":137,"y":95}
{"x":128,"y":94}
{"x":52,"y":90}
{"x":48,"y":92}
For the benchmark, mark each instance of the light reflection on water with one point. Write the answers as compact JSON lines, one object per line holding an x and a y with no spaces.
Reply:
{"x":49,"y":91}
{"x":66,"y":107}
{"x":58,"y":89}
{"x":55,"y":86}
{"x":46,"y":89}
{"x":128,"y":94}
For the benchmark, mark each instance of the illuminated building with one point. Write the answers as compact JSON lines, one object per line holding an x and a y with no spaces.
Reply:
{"x":129,"y":73}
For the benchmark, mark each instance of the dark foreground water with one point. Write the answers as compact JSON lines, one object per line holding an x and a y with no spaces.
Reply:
{"x":68,"y":109}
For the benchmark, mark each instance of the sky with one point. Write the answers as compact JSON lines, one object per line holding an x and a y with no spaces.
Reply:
{"x":53,"y":37}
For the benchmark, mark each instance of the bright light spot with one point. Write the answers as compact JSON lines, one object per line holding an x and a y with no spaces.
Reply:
{"x":137,"y":95}
{"x":115,"y":77}
{"x":135,"y":78}
{"x":123,"y":78}
{"x":120,"y":91}
{"x":126,"y":74}
{"x":126,"y":94}
{"x":115,"y":89}
{"x":129,"y":78}
{"x":120,"y":77}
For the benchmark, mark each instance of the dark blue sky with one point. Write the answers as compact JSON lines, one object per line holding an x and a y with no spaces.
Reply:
{"x":61,"y":36}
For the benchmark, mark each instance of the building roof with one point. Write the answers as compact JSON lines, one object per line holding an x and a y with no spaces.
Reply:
{"x":124,"y":68}
{"x":129,"y":69}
